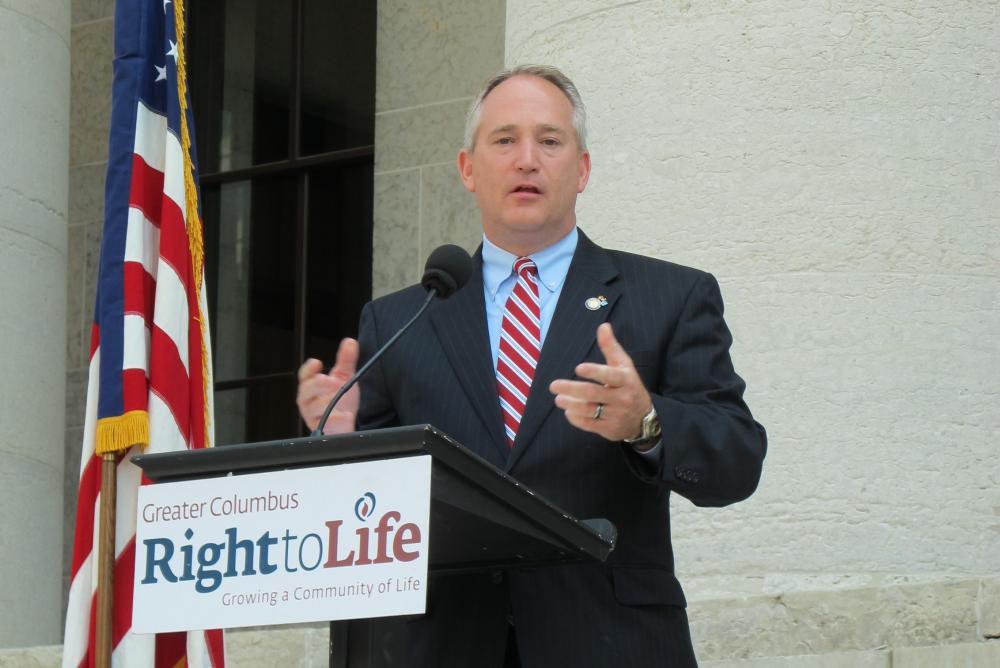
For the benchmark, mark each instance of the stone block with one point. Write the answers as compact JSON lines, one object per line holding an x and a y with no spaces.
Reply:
{"x":436,"y":50}
{"x":427,"y":135}
{"x":878,"y":659}
{"x":965,"y":655}
{"x":92,"y":10}
{"x":90,"y":91}
{"x":448,"y":212}
{"x":835,"y":621}
{"x":74,"y":298}
{"x":988,"y":608}
{"x":396,"y":260}
{"x":295,"y":646}
{"x":32,"y":657}
{"x":86,"y":193}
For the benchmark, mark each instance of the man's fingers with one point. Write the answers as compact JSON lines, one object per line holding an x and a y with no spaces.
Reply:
{"x":602,"y":374}
{"x":613,"y":352}
{"x":310,"y":368}
{"x":580,"y":390}
{"x":347,"y":359}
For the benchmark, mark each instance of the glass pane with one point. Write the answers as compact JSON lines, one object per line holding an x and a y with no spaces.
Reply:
{"x":261,"y":412}
{"x":338,"y":75}
{"x":240,"y":81}
{"x":251,"y":274}
{"x":339,"y":255}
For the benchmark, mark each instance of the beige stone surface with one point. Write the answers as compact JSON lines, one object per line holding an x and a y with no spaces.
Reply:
{"x":74,"y":297}
{"x":296,"y":646}
{"x":34,"y":61}
{"x":52,"y":14}
{"x":988,"y":607}
{"x":972,"y":655}
{"x":448,"y":212}
{"x":396,"y":260}
{"x":417,"y":137}
{"x":92,"y":10}
{"x":32,"y":657}
{"x":90,"y":93}
{"x":440,"y":50}
{"x":824,"y":622}
{"x":879,"y":659}
{"x":835,"y":166}
{"x":86,"y":192}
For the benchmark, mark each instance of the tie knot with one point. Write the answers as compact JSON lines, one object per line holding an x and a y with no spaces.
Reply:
{"x":524,"y":266}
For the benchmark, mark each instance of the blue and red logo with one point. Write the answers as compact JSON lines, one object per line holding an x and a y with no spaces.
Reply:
{"x":364,"y":506}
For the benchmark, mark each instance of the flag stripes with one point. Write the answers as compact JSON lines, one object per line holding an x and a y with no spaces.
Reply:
{"x":149,"y":367}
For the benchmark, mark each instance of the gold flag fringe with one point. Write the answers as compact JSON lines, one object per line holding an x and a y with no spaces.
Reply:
{"x":121,"y":432}
{"x":195,"y":241}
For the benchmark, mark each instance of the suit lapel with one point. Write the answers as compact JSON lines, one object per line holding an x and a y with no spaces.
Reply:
{"x":460,"y":324}
{"x":572,"y":333}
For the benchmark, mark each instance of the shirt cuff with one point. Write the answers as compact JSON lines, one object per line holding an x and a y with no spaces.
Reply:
{"x":653,"y":454}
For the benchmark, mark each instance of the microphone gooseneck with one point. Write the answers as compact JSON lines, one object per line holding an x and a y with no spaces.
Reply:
{"x":447,"y":269}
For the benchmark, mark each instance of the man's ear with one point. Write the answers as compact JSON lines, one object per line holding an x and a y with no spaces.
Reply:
{"x":464,"y":163}
{"x":583,"y":171}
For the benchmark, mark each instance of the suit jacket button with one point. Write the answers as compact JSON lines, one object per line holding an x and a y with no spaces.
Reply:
{"x":496,"y":577}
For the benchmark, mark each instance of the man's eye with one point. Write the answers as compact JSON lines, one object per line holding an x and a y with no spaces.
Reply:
{"x":505,"y":140}
{"x":550,"y":141}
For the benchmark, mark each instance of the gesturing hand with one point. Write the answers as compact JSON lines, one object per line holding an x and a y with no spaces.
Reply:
{"x":614,"y":403}
{"x":317,"y":388}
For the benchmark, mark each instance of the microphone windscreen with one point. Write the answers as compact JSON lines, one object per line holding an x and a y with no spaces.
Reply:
{"x":448,"y":268}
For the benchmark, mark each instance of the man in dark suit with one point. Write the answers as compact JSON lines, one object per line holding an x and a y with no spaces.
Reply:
{"x":629,"y":395}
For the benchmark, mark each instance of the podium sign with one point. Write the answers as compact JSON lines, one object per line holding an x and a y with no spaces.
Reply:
{"x":313,"y":544}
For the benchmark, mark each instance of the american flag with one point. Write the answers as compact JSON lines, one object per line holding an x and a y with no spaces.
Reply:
{"x":150,"y":370}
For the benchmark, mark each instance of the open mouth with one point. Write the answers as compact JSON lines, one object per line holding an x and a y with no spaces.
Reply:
{"x":528,"y":189}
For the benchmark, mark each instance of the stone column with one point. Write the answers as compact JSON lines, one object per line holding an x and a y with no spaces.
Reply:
{"x":835,"y":166}
{"x":34,"y":145}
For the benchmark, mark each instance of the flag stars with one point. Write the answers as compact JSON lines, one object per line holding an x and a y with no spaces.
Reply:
{"x":173,"y":50}
{"x":161,"y":73}
{"x":165,"y":3}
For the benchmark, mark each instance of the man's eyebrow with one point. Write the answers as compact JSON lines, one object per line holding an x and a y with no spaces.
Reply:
{"x":503,"y":128}
{"x":543,"y":127}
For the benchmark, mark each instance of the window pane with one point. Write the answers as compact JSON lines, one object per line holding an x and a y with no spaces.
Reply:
{"x":338,"y":75}
{"x":261,"y":412}
{"x":240,"y":81}
{"x":339,"y":255}
{"x":250,"y":262}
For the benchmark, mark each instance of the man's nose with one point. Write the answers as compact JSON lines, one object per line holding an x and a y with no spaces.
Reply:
{"x":527,"y":156}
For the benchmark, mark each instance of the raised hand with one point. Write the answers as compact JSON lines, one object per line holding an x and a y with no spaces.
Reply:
{"x":611,"y":400}
{"x":317,"y":388}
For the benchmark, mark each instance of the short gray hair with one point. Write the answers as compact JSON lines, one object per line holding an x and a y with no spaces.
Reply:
{"x":550,"y":74}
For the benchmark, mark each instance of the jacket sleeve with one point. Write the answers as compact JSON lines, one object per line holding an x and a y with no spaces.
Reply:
{"x":712,"y":449}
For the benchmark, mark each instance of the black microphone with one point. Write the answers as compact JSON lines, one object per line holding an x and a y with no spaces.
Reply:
{"x":448,"y":268}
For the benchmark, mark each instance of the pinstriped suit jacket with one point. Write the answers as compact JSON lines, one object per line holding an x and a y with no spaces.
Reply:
{"x":628,"y":611}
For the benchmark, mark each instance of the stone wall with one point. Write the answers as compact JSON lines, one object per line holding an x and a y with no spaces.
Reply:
{"x":433,"y":55}
{"x":835,"y":165}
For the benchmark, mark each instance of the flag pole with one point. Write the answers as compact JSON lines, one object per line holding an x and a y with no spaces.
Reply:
{"x":106,"y":559}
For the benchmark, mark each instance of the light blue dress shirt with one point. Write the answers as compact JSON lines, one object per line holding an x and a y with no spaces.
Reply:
{"x":499,"y":280}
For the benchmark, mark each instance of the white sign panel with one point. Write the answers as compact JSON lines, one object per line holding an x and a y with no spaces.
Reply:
{"x":335,"y":542}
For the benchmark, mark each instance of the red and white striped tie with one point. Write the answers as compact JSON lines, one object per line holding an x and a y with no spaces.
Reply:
{"x":520,"y":346}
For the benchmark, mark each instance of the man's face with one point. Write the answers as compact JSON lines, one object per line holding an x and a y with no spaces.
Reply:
{"x":526,"y":168}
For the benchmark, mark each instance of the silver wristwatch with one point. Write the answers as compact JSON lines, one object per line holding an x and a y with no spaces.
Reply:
{"x":650,"y":430}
